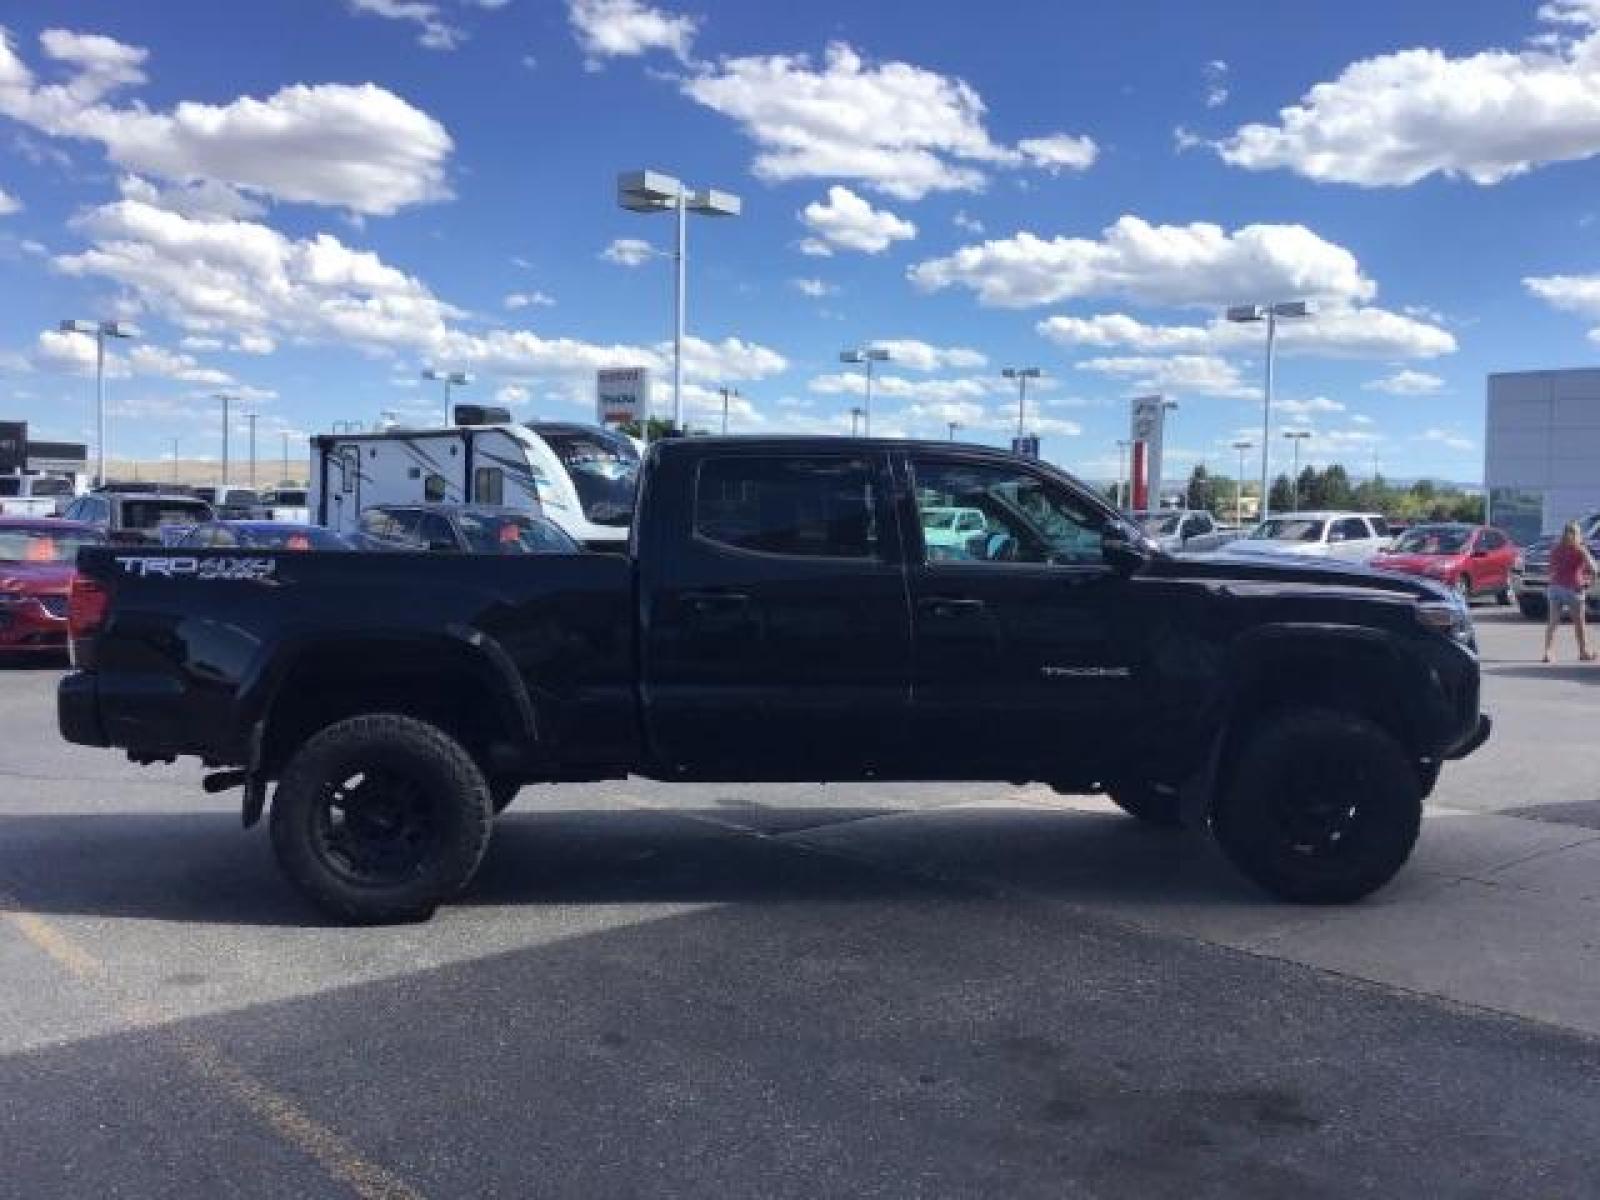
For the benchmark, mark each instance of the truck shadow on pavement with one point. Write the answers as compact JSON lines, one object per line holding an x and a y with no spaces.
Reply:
{"x":200,"y":867}
{"x":1555,"y":672}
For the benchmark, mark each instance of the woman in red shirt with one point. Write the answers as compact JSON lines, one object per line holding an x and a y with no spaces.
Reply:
{"x":1572,"y":571}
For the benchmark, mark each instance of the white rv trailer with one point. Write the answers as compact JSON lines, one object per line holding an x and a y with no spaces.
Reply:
{"x":582,"y":477}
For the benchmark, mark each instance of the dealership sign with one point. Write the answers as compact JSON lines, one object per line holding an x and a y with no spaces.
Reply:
{"x":1147,"y":424}
{"x":622,"y":394}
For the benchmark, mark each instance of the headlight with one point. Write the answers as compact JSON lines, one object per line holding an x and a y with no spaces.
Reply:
{"x":1448,"y":617}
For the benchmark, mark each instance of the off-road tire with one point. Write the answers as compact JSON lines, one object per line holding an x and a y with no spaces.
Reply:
{"x":1141,"y":799}
{"x":1320,"y":807}
{"x":445,"y":795}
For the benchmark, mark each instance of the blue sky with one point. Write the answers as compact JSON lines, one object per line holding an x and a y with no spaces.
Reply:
{"x":305,"y":203}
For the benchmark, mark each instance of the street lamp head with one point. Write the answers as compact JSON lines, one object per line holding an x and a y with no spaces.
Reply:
{"x":1297,"y":434}
{"x":647,"y":191}
{"x":1241,"y":314}
{"x":460,"y":378}
{"x":877,"y":354}
{"x":852,"y":356}
{"x":1243,"y":445}
{"x":714,"y":203}
{"x":1295,"y":308}
{"x":119,"y":329}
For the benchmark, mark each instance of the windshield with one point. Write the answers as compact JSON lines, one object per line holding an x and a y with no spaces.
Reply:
{"x":290,"y":537}
{"x":513,"y":533}
{"x":296,"y":499}
{"x":939,"y":518}
{"x":44,"y":545}
{"x":152,"y":514}
{"x":1287,"y":529}
{"x":1433,"y":541}
{"x":604,"y":468}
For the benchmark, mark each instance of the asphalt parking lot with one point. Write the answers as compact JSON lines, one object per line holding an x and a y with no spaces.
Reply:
{"x":775,"y":991}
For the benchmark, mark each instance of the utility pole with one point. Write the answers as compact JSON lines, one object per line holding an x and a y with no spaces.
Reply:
{"x":726,"y":392}
{"x":227,"y":401}
{"x":1122,"y":473}
{"x":285,"y":456}
{"x":174,"y":460}
{"x":1296,"y":436}
{"x":251,"y":418}
{"x":1238,"y":485}
{"x":855,"y":420}
{"x":954,"y":425}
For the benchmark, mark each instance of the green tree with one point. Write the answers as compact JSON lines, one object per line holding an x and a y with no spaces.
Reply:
{"x":1281,"y":497}
{"x":1336,"y":489}
{"x":1199,"y":492}
{"x":1310,"y":488}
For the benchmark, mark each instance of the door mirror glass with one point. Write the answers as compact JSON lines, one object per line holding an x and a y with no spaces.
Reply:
{"x":1121,"y":549}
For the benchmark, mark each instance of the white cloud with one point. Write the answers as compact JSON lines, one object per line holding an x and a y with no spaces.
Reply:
{"x":1362,"y":419}
{"x":848,"y":222}
{"x":9,"y":204}
{"x":1335,"y":332}
{"x":435,"y":33}
{"x":1394,"y":119}
{"x":1060,"y":152}
{"x":1450,"y":439}
{"x":57,"y":351}
{"x":915,"y":355}
{"x":1201,"y":374}
{"x":358,"y":147}
{"x":896,"y":127}
{"x":197,"y":341}
{"x":1307,"y":408}
{"x":1578,"y":294}
{"x":1405,"y":383}
{"x":519,"y":300}
{"x":854,"y":383}
{"x":966,"y":223}
{"x":510,"y":395}
{"x":815,"y":288}
{"x":1215,"y":74}
{"x":628,"y":252}
{"x":731,"y":358}
{"x":1197,"y":264}
{"x":626,"y":29}
{"x":255,"y":343}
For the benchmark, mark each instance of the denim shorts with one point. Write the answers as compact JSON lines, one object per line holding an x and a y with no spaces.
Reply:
{"x":1565,"y":598}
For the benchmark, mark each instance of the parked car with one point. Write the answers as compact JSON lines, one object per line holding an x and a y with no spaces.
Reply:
{"x":137,"y":517}
{"x":1184,"y":529}
{"x":461,"y":529}
{"x":1530,"y":576}
{"x":38,"y":561}
{"x":262,"y":535}
{"x":948,"y":532}
{"x":1352,"y":537}
{"x":34,"y":495}
{"x":1476,"y":560}
{"x":285,"y":504}
{"x":779,"y":616}
{"x":231,"y":502}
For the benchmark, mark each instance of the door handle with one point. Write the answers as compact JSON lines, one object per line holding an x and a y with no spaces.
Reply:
{"x":704,"y":603}
{"x":947,"y":607}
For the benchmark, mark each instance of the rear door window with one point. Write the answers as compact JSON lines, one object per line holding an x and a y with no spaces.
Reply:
{"x":1350,"y":529}
{"x":814,"y":507}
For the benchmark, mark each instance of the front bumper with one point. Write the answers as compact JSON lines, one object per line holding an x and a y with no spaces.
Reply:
{"x":1478,"y":737}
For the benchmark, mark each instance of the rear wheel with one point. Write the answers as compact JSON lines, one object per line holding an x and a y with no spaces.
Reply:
{"x":381,"y":818}
{"x":1146,"y":801}
{"x":1322,"y":807}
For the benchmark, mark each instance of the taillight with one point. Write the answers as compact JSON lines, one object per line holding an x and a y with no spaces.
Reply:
{"x":87,"y":606}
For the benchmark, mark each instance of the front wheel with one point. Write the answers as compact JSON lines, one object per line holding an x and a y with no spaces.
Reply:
{"x":380,"y":818}
{"x":1322,"y":807}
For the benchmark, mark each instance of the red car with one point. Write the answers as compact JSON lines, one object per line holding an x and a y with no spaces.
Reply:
{"x":38,"y":559}
{"x":1474,"y":559}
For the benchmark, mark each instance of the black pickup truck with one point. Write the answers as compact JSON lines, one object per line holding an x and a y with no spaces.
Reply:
{"x":779,"y":616}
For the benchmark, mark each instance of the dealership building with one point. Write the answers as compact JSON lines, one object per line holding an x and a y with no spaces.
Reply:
{"x":1542,"y":449}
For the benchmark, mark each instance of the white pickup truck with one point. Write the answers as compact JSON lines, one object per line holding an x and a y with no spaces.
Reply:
{"x":34,"y":495}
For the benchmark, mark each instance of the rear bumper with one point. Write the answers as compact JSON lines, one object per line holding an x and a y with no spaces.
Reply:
{"x":78,"y":710}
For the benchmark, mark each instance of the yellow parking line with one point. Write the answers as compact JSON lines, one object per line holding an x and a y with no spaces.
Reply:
{"x":204,"y":1059}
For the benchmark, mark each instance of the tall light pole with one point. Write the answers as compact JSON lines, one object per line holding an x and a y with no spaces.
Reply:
{"x":100,"y":331}
{"x":285,"y":476}
{"x":726,"y":392}
{"x":1122,"y":472}
{"x":227,"y":403}
{"x":449,"y":379}
{"x":954,"y":425}
{"x":653,"y":192}
{"x":174,"y":460}
{"x":855,"y":421}
{"x":1245,"y":314}
{"x":1238,"y":486}
{"x":866,"y":355}
{"x":1167,"y":406}
{"x":251,"y":418}
{"x":1296,"y":436}
{"x":1022,"y":375}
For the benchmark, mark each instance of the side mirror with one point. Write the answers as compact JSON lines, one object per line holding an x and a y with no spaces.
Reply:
{"x":1120,"y":549}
